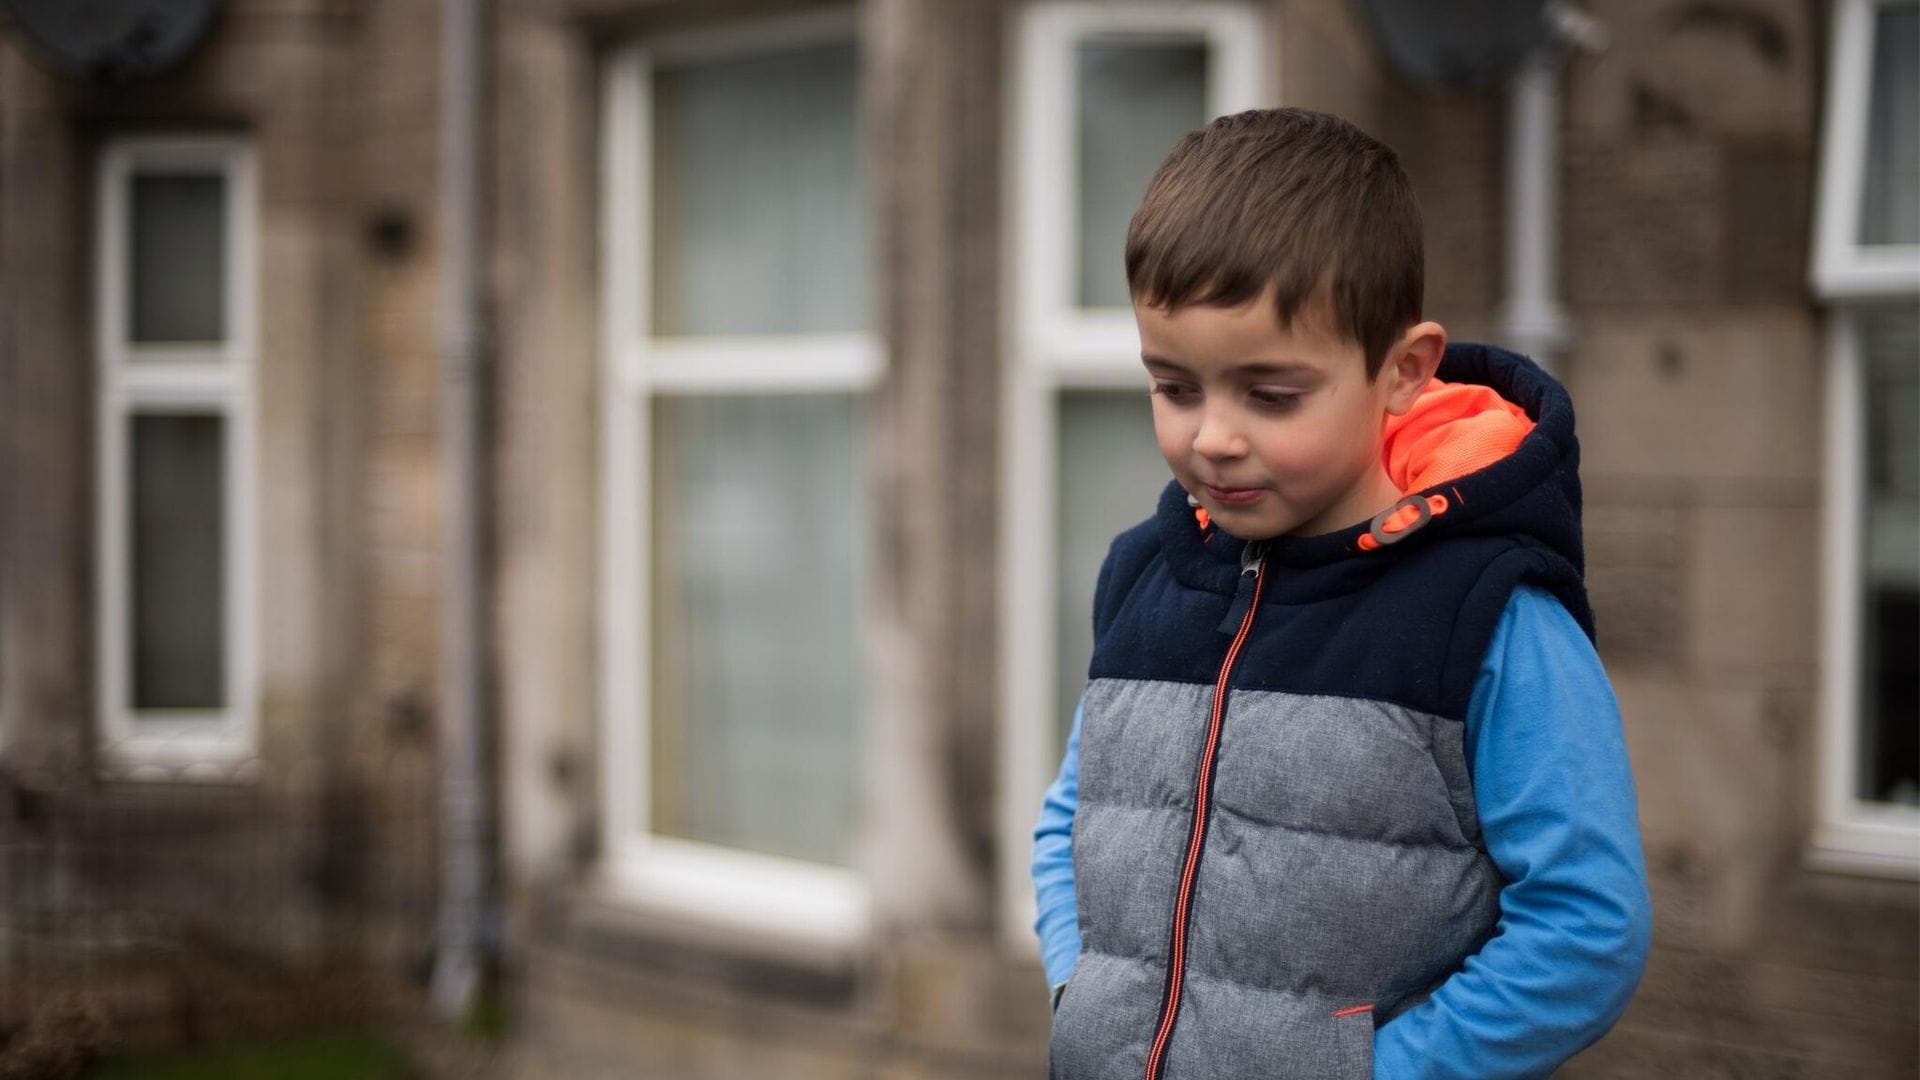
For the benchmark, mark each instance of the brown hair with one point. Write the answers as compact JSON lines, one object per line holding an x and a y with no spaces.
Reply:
{"x":1299,"y":202}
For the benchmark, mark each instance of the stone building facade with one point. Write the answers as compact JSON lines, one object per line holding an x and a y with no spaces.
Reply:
{"x":810,"y":397}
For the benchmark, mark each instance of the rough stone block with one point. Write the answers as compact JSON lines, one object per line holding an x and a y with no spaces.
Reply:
{"x":1711,"y":816}
{"x":1740,"y":69}
{"x":1755,"y":590}
{"x":1768,"y":212}
{"x":1722,"y":396}
{"x":1637,"y":571}
{"x":1643,"y":223}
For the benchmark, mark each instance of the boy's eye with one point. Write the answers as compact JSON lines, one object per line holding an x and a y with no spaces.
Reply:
{"x":1173,"y":391}
{"x":1275,"y":399}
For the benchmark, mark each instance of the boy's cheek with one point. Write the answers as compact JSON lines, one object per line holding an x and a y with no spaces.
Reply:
{"x":1177,"y":466}
{"x":1172,"y":447}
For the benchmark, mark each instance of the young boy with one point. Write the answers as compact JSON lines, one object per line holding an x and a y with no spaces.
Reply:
{"x":1347,"y":794}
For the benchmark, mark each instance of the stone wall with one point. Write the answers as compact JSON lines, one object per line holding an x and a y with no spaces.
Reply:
{"x":1698,"y":375}
{"x":333,"y":819}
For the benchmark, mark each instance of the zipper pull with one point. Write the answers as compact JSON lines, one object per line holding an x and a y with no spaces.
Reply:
{"x":1252,"y":558}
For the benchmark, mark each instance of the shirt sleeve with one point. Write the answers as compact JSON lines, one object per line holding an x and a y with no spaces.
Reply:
{"x":1058,"y":921}
{"x":1555,"y":794}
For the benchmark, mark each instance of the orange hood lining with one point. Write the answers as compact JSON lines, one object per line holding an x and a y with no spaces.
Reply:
{"x":1451,"y":430}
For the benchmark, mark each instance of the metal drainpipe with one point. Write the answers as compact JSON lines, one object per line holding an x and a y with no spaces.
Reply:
{"x":464,"y":792}
{"x":1532,"y":318}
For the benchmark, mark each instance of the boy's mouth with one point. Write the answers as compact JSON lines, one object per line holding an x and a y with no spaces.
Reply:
{"x":1233,"y":496}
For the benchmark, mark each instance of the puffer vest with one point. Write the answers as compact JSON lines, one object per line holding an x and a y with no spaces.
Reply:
{"x":1276,"y":847}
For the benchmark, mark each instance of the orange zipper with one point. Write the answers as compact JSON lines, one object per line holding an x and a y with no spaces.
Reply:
{"x":1254,"y":563}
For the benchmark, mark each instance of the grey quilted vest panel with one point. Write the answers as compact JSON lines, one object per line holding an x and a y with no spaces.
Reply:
{"x":1342,"y":869}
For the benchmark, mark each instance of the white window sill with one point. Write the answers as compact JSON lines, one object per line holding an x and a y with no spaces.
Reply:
{"x":194,"y":753}
{"x":783,"y":902}
{"x":604,"y":927}
{"x":1885,"y":844}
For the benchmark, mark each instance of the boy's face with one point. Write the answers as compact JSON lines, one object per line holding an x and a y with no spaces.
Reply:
{"x":1276,"y":431}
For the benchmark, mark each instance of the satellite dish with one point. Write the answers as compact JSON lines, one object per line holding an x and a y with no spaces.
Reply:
{"x":1457,"y":44}
{"x":113,"y":40}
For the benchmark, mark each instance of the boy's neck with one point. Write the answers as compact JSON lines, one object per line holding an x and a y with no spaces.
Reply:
{"x":1360,"y":506}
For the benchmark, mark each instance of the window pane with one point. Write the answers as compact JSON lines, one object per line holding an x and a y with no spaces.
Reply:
{"x":177,"y":265}
{"x":1890,"y":213}
{"x":1138,"y":95}
{"x":1111,"y":474}
{"x":1890,"y":679}
{"x":759,"y":217}
{"x":177,"y":517}
{"x":759,"y":548}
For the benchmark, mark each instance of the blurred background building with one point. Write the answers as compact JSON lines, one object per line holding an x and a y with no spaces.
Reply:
{"x":804,"y":399}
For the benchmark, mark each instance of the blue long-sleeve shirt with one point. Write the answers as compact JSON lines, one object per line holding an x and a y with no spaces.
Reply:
{"x":1555,"y":795}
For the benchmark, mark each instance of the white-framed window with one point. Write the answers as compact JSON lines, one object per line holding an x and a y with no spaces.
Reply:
{"x":1101,"y":91}
{"x":739,"y":352}
{"x":175,"y":456}
{"x":1866,"y":267}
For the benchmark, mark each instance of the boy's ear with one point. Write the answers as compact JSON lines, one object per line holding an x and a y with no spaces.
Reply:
{"x":1410,"y":364}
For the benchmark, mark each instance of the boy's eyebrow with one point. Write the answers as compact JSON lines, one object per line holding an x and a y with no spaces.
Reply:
{"x":1253,"y":368}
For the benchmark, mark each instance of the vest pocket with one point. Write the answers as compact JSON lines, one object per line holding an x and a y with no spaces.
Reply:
{"x":1353,"y":1034}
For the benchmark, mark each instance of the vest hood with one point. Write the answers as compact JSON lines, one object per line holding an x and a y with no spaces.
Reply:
{"x":1489,"y":449}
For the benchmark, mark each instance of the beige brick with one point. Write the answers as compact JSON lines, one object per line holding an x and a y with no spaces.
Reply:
{"x":1754,"y":589}
{"x":1710,"y":397}
{"x":1643,"y":223}
{"x":1636,"y":580}
{"x":1326,"y":61}
{"x":1711,"y":812}
{"x":1745,"y":69}
{"x":958,"y":998}
{"x":1768,"y":210}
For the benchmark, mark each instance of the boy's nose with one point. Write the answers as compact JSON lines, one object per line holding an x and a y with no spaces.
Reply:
{"x":1218,"y":436}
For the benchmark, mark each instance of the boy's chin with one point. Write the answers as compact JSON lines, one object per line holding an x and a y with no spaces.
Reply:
{"x":1249,"y":525}
{"x":1263,"y":523}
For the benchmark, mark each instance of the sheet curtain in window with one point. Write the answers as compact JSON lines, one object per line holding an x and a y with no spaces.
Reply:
{"x":1889,"y":769}
{"x":177,"y":516}
{"x":1890,"y":212}
{"x":1137,"y":96}
{"x":759,"y":214}
{"x":759,"y":556}
{"x":1111,"y":474}
{"x":177,"y":272}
